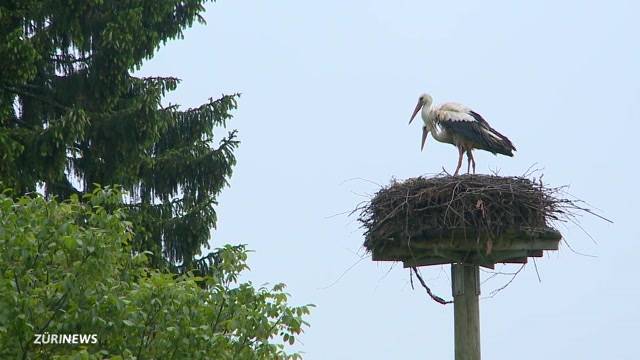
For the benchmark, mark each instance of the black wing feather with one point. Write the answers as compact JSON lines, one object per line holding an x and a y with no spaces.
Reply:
{"x":484,"y":123}
{"x":473,"y":131}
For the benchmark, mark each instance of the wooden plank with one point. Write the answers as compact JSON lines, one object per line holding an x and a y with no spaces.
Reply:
{"x":430,"y":234}
{"x":437,"y":261}
{"x":488,"y":266}
{"x":441,"y":255}
{"x":445,"y":257}
{"x":425,"y":262}
{"x":518,"y":244}
{"x":535,"y":253}
{"x":520,"y":260}
{"x":398,"y":252}
{"x":522,"y":239}
{"x":466,"y":288}
{"x":384,"y":256}
{"x":506,"y":255}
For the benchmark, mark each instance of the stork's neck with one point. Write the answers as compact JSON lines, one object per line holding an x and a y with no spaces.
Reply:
{"x":436,"y":131}
{"x":425,"y":114}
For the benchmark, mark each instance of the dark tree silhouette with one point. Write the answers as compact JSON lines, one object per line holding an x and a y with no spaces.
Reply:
{"x":72,"y":115}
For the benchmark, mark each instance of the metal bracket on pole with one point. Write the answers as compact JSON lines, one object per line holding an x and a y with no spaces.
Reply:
{"x":457,"y":279}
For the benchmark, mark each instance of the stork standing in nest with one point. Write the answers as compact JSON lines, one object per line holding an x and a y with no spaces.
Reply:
{"x":462,"y":127}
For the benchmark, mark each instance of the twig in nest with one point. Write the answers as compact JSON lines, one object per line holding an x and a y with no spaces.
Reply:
{"x":435,"y":298}
{"x":345,"y":272}
{"x":411,"y":280}
{"x":575,"y":251}
{"x":536,"y":267}
{"x":532,"y":170}
{"x":361,"y":179}
{"x":496,"y":291}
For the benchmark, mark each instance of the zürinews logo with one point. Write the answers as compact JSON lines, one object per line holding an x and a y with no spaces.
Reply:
{"x":46,"y":338}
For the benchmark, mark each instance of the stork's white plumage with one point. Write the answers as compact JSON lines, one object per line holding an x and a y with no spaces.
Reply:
{"x":462,"y":127}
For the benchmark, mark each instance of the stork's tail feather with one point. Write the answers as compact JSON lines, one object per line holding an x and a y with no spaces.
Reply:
{"x":502,"y":146}
{"x":499,"y":143}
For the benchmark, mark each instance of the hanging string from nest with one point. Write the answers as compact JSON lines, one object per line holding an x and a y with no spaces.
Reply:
{"x":435,"y":298}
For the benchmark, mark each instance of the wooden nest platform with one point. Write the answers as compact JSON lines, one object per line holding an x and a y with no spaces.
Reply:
{"x":469,"y":219}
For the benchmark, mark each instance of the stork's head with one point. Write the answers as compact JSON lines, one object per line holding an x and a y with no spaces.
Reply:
{"x":423,"y":100}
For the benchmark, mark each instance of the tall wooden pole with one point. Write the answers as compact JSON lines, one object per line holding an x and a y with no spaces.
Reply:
{"x":465,"y":283}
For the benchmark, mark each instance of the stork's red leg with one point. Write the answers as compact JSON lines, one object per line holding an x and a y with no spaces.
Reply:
{"x":460,"y":153}
{"x":473,"y":164}
{"x":471,"y":160}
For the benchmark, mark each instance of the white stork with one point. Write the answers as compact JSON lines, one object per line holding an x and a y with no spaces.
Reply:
{"x":462,"y":127}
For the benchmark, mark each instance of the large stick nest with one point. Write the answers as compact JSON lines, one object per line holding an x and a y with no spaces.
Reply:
{"x":424,"y":209}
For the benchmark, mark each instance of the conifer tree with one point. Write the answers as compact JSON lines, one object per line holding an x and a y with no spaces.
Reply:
{"x":72,"y":115}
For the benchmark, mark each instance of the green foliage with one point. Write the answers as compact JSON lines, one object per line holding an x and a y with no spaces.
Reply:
{"x":72,"y":115}
{"x":67,"y":268}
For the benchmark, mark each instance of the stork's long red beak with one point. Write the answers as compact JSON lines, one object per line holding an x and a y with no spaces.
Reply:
{"x":415,"y":112}
{"x":425,"y":132}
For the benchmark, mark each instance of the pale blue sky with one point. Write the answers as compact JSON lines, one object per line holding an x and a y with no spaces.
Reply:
{"x":328,"y":88}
